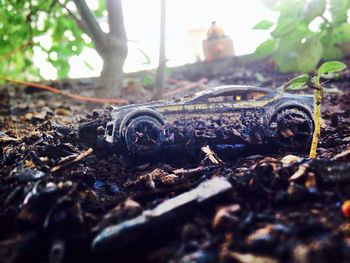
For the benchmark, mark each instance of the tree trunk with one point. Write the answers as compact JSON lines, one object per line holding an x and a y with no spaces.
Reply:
{"x":112,"y":47}
{"x":159,"y":84}
{"x":113,"y":54}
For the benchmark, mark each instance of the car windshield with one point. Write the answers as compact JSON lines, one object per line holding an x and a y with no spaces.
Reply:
{"x":228,"y":96}
{"x":222,"y":94}
{"x":189,"y":97}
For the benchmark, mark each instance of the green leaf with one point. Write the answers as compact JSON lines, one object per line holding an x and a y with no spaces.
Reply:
{"x":147,"y":58}
{"x":263,"y":25}
{"x":314,"y":8}
{"x":286,"y":61}
{"x":101,"y":8}
{"x":265,"y":49}
{"x":296,"y":46}
{"x":341,"y":33}
{"x":272,"y":4}
{"x":284,"y":27}
{"x":21,"y":21}
{"x":298,"y":83}
{"x":332,"y":52}
{"x":292,"y":42}
{"x":333,"y":89}
{"x":309,"y":55}
{"x":331,"y":67}
{"x":148,"y":80}
{"x":291,"y":8}
{"x":338,"y":10}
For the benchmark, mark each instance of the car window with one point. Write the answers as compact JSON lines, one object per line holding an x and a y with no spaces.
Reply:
{"x":216,"y":99}
{"x":236,"y":96}
{"x":258,"y":94}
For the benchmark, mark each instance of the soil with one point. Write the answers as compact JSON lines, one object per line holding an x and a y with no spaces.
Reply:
{"x":59,"y":190}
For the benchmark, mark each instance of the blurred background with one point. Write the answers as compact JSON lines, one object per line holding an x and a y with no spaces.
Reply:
{"x":187,"y":23}
{"x":61,"y":39}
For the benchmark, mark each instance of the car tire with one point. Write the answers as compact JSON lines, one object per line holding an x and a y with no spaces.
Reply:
{"x":293,"y":128}
{"x":144,"y":135}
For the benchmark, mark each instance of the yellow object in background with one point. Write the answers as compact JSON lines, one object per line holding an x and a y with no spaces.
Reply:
{"x":215,"y":31}
{"x":217,"y":45}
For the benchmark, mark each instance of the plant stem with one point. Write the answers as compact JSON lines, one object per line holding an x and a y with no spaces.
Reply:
{"x":317,"y":117}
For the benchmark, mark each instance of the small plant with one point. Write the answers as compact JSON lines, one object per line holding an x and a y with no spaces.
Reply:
{"x":305,"y":33}
{"x":306,"y":81}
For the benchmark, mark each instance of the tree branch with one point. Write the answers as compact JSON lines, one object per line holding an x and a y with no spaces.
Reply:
{"x":79,"y":22}
{"x":115,"y":19}
{"x":92,"y":27}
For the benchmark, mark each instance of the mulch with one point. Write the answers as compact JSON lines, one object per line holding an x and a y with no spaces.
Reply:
{"x":58,"y":191}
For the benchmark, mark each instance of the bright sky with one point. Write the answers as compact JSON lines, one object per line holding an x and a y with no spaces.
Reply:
{"x":183,"y":17}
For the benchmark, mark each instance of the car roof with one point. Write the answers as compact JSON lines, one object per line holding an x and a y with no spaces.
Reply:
{"x":238,"y":88}
{"x":197,"y":96}
{"x":232,"y":88}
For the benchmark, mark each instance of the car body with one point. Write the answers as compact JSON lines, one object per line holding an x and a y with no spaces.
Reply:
{"x":225,"y":115}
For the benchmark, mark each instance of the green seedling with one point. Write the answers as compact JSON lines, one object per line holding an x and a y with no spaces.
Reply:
{"x":306,"y":81}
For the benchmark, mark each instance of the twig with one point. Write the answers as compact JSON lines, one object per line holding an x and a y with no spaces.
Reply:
{"x":212,"y":156}
{"x":65,"y":94}
{"x":342,"y":155}
{"x":71,"y":161}
{"x":182,"y":171}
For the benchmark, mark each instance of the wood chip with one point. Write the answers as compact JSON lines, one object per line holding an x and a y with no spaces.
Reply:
{"x":247,"y":258}
{"x":182,"y":171}
{"x":290,"y":159}
{"x":300,"y":172}
{"x":342,"y":155}
{"x":212,"y":156}
{"x":71,"y":161}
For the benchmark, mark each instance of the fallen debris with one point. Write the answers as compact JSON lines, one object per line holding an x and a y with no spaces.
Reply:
{"x":124,"y":211}
{"x":154,"y":221}
{"x":26,"y":174}
{"x":211,"y":155}
{"x":226,"y":217}
{"x":291,"y":209}
{"x":290,"y":159}
{"x":343,"y":155}
{"x":182,"y":171}
{"x":302,"y":170}
{"x":69,"y":160}
{"x":247,"y":258}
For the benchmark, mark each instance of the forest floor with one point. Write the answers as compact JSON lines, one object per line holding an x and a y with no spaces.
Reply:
{"x":57,"y":194}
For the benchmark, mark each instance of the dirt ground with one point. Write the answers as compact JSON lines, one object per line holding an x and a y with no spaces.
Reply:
{"x":58,"y":191}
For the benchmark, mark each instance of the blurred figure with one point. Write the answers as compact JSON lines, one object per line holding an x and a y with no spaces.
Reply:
{"x":215,"y":31}
{"x":217,"y":45}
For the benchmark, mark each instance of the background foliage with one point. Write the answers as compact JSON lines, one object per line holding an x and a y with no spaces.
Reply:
{"x":24,"y":22}
{"x":294,"y":45}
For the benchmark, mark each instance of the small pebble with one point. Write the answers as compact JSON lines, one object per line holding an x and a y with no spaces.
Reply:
{"x":345,"y":208}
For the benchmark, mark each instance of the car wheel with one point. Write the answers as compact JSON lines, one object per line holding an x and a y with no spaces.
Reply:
{"x":144,"y":135}
{"x":294,"y":128}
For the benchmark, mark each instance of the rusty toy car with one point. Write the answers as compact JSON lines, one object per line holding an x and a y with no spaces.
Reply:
{"x":225,"y":115}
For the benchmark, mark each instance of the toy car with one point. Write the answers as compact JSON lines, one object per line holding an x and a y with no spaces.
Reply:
{"x":225,"y":115}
